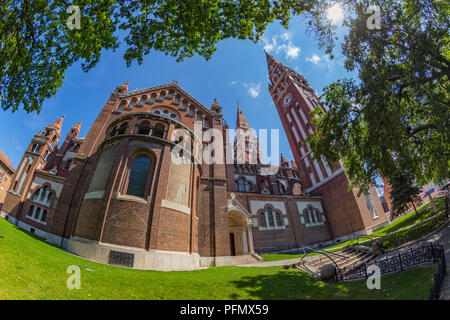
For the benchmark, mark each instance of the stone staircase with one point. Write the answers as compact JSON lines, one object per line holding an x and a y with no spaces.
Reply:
{"x":346,"y":259}
{"x":243,"y":259}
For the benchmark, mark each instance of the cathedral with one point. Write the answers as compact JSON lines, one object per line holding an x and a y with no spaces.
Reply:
{"x":117,"y":196}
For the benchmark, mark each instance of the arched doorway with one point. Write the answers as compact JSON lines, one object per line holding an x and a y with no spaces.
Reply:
{"x":241,"y":240}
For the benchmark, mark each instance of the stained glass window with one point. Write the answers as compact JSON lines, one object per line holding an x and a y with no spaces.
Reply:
{"x":138,"y":177}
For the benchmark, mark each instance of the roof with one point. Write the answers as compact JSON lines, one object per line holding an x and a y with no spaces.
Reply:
{"x":6,"y":161}
{"x":173,"y":84}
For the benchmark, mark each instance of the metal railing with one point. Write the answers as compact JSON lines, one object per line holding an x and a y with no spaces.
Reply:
{"x":428,"y":254}
{"x":327,"y":254}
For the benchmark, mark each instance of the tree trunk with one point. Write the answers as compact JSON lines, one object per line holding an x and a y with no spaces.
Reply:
{"x":435,"y":209}
{"x":412,"y":201}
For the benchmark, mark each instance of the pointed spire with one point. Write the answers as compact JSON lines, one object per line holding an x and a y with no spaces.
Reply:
{"x":284,"y":162}
{"x":57,"y":124}
{"x":78,"y":125}
{"x":241,"y":121}
{"x":293,"y":164}
{"x":216,"y":107}
{"x":270,"y":59}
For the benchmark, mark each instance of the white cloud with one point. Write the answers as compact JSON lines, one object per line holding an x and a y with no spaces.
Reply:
{"x":232,"y":83}
{"x":254,"y":90}
{"x":292,"y":52}
{"x":286,"y":36}
{"x":320,"y":60}
{"x":282,"y":43}
{"x":314,"y":59}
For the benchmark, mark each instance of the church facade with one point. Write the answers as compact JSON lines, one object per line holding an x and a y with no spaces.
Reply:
{"x":117,"y":196}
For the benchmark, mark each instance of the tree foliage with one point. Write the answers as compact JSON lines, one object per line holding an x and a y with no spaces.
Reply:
{"x":395,"y":119}
{"x":403,"y":192}
{"x":37,"y":47}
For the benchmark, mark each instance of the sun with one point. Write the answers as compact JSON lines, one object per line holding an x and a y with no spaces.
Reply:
{"x":335,"y":13}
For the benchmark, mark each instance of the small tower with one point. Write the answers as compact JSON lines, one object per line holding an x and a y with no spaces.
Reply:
{"x":69,"y":149}
{"x":122,"y":89}
{"x":36,"y":156}
{"x":284,"y":162}
{"x":246,"y":144}
{"x":216,"y":107}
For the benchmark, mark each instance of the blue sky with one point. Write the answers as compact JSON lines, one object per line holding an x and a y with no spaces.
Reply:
{"x":236,"y":72}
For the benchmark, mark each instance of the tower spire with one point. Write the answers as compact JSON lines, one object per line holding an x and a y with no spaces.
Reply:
{"x":241,"y":121}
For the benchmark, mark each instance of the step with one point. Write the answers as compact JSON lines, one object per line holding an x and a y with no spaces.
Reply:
{"x":243,"y":259}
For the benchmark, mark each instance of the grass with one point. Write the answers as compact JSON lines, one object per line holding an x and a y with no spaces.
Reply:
{"x":33,"y":269}
{"x":423,"y":212}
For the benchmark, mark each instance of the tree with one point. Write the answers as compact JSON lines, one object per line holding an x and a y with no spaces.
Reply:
{"x":402,"y":193}
{"x":37,"y":47}
{"x":395,"y":119}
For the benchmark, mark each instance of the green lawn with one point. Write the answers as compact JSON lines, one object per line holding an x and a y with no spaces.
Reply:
{"x":423,"y":212}
{"x":33,"y":269}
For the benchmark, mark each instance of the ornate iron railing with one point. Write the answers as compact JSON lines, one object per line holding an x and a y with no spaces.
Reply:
{"x":408,"y":259}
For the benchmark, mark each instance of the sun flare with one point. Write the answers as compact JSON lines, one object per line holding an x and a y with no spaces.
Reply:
{"x":335,"y":13}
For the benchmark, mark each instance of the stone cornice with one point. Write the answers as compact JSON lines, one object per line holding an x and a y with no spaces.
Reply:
{"x":173,"y":85}
{"x":50,"y":176}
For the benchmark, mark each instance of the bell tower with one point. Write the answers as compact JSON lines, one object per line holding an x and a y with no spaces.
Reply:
{"x":295,"y":99}
{"x":41,"y":146}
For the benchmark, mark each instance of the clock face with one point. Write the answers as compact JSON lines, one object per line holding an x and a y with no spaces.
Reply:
{"x":297,"y":189}
{"x":287,"y":100}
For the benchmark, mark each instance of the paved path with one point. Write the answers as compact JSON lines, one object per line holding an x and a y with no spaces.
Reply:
{"x":278,"y":263}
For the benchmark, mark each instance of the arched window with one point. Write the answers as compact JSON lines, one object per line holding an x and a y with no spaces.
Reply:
{"x":278,"y":219}
{"x":38,"y":213}
{"x":44,"y":216}
{"x":249,"y":187}
{"x":308,"y":219}
{"x":30,"y":213}
{"x":312,"y":214}
{"x":132,"y":103}
{"x":68,"y":164}
{"x":122,"y":105}
{"x":138,"y":177}
{"x":142,"y":101}
{"x":236,"y":184}
{"x":123,"y":128}
{"x":44,"y":193}
{"x":152,"y":98}
{"x":36,"y":195}
{"x":281,"y":187}
{"x":144,"y":128}
{"x":112,"y":133}
{"x":50,"y":196}
{"x":262,"y":217}
{"x":158,"y":132}
{"x":242,"y":184}
{"x":162,"y":96}
{"x":270,"y":217}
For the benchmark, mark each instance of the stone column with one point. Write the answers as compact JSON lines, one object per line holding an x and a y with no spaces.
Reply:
{"x":251,"y":249}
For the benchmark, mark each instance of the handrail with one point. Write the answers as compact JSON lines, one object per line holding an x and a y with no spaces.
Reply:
{"x":362,"y":237}
{"x":321,"y":252}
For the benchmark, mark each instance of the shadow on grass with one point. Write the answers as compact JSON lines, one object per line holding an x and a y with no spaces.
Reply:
{"x":288,"y":285}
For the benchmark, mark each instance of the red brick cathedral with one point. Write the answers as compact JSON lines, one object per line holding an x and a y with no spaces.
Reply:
{"x":116,"y":196}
